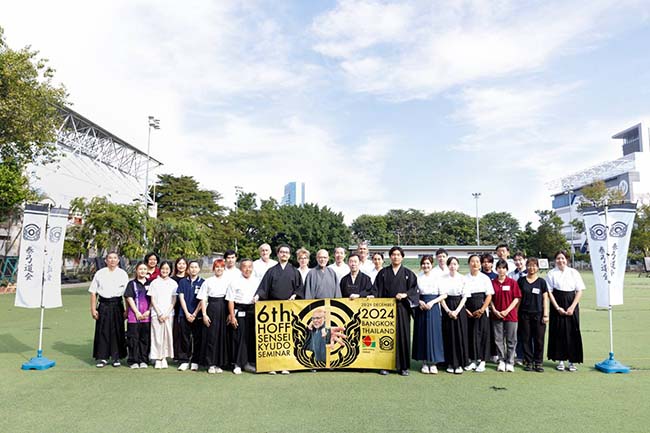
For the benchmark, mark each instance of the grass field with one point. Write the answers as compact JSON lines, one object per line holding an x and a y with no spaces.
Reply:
{"x":75,"y":396}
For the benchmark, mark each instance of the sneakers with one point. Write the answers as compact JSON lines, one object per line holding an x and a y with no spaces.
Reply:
{"x":143,"y":365}
{"x":459,"y":370}
{"x":194,"y":367}
{"x":433,"y":370}
{"x":494,"y":359}
{"x":471,"y":367}
{"x":425,"y":369}
{"x":134,"y":365}
{"x":404,"y":373}
{"x":450,"y":369}
{"x":528,"y":366}
{"x":158,"y":364}
{"x":101,"y":363}
{"x":510,"y":368}
{"x":560,"y":366}
{"x":272,"y":373}
{"x":538,"y":368}
{"x":519,"y":362}
{"x":501,"y":366}
{"x":163,"y":363}
{"x":214,"y":370}
{"x":481,"y":367}
{"x":117,"y":363}
{"x":236,"y":370}
{"x":285,"y":372}
{"x":184,"y":366}
{"x":572,"y":367}
{"x":250,"y":368}
{"x":383,"y":372}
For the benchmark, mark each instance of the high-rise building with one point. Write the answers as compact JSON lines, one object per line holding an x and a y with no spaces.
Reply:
{"x":294,"y":194}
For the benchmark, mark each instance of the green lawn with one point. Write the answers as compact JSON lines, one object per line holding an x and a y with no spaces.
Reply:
{"x":76,"y":396}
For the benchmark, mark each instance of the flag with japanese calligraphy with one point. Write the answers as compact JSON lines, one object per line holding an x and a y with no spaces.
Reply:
{"x":56,"y":225}
{"x":29,"y":282}
{"x":609,"y":230}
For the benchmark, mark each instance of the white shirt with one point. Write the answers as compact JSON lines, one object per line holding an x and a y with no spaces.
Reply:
{"x":213,"y":287}
{"x":428,"y":284}
{"x":109,"y":284}
{"x":479,"y":283}
{"x":453,"y":286}
{"x":260,"y":267}
{"x":439,"y":272}
{"x":303,"y":273}
{"x":367,"y":267}
{"x":372,"y":274}
{"x":568,"y":280}
{"x":242,"y":290}
{"x":341,"y":270}
{"x":162,"y":292}
{"x":231,"y":273}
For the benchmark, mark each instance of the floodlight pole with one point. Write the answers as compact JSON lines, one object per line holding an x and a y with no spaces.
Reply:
{"x":476,"y":196}
{"x":155,"y":124}
{"x":570,"y":193}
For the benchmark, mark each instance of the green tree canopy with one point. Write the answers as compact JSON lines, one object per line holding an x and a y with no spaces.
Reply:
{"x":497,"y":227}
{"x":371,"y":228}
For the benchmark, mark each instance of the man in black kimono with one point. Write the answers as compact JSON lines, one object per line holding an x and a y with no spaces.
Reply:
{"x":356,"y":284}
{"x":281,"y":282}
{"x":397,"y":282}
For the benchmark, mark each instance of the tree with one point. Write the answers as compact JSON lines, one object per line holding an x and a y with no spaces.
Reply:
{"x":497,"y":227}
{"x":406,"y":226}
{"x":549,"y":238}
{"x":597,"y":194}
{"x":449,"y":228}
{"x":29,"y":119}
{"x":371,"y":228}
{"x":526,"y":240}
{"x":180,"y":197}
{"x":640,"y":241}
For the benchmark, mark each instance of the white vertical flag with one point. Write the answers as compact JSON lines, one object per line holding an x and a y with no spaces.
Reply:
{"x":56,"y":225}
{"x":32,"y":257}
{"x":609,"y":234}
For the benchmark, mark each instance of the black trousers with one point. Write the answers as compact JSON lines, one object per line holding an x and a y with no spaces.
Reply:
{"x":403,"y":343}
{"x":243,"y":338}
{"x":109,"y":341}
{"x":190,"y":337}
{"x":138,"y":338}
{"x":531,"y":334}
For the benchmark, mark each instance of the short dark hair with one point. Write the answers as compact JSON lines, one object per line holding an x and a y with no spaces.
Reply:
{"x":502,"y":264}
{"x":426,"y":257}
{"x":396,"y":248}
{"x":168,"y":263}
{"x":135,"y":269}
{"x":354,"y":255}
{"x":471,"y":256}
{"x":189,"y":262}
{"x":451,"y":259}
{"x":229,"y":253}
{"x":148,"y":256}
{"x":488,"y":257}
{"x":380,"y":255}
{"x":519,"y":254}
{"x":532,"y":260}
{"x":563,"y":252}
{"x":441,"y":251}
{"x":503,"y":245}
{"x":277,"y":250}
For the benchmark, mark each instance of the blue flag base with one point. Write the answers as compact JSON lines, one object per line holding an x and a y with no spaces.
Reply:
{"x":38,"y":363}
{"x":612,"y":366}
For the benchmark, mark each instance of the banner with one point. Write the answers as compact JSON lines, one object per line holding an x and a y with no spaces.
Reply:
{"x":29,"y":282}
{"x":56,"y":225}
{"x":609,"y":239}
{"x":325,"y":333}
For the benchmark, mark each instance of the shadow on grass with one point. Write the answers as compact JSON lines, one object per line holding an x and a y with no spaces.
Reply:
{"x":10,"y":344}
{"x":83,"y":352}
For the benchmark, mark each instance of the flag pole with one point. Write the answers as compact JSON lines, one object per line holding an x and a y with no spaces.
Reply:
{"x":610,"y":365}
{"x":40,"y":362}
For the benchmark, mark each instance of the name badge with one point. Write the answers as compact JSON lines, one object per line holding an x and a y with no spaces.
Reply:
{"x":506,"y":288}
{"x":535,"y":291}
{"x":196,"y":291}
{"x":241,"y":314}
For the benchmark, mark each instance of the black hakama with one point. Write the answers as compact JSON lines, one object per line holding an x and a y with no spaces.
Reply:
{"x":243,"y":338}
{"x":478,"y":330}
{"x":215,"y":337}
{"x":110,"y":338}
{"x":387,"y":285}
{"x":564,"y":339}
{"x":138,"y":338}
{"x":427,"y":333}
{"x":454,"y":333}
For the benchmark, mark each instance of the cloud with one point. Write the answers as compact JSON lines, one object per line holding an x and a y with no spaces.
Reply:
{"x":417,"y":50}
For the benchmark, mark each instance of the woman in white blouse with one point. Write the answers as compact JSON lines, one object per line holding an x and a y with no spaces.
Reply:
{"x":479,"y":287}
{"x":565,"y":288}
{"x":215,"y":316}
{"x":454,"y":318}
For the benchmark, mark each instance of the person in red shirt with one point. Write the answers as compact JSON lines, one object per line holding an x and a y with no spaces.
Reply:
{"x":504,"y":316}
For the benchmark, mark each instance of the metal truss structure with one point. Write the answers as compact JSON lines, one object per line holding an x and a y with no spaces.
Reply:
{"x":585,"y":177}
{"x":82,"y":136}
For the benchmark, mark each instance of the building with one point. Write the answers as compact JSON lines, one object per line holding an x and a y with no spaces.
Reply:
{"x":294,"y":194}
{"x":630,"y":174}
{"x":462,"y":252}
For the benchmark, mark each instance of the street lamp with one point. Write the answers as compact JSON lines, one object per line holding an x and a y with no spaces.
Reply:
{"x":155,"y":124}
{"x":476,"y":196}
{"x":570,"y":193}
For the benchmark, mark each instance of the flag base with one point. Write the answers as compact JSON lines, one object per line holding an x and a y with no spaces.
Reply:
{"x":611,"y":365}
{"x":38,"y":363}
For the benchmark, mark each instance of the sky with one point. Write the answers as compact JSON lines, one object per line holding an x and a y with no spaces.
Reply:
{"x":375,"y":105}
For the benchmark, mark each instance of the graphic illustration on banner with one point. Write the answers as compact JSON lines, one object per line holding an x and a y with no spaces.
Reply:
{"x":325,"y":333}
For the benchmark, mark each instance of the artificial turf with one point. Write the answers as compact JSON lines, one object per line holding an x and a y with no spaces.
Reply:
{"x":76,"y":396}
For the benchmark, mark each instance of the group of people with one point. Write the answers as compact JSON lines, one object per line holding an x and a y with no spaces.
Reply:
{"x":460,"y":321}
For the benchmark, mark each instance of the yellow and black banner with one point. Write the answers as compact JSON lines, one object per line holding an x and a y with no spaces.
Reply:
{"x":325,"y":334}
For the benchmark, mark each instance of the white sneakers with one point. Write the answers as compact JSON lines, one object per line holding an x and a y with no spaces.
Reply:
{"x":184,"y":366}
{"x":158,"y":364}
{"x":572,"y":367}
{"x":135,"y":365}
{"x":501,"y":366}
{"x":164,"y":363}
{"x":143,"y":365}
{"x":481,"y":367}
{"x":236,"y":370}
{"x":214,"y":370}
{"x":560,"y":366}
{"x":471,"y":367}
{"x":433,"y":370}
{"x":194,"y":367}
{"x":458,"y":370}
{"x":285,"y":372}
{"x":425,"y":369}
{"x":450,"y":369}
{"x":510,"y":368}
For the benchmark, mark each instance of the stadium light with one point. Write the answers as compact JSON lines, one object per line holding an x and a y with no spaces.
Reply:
{"x":155,"y":124}
{"x":476,"y":196}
